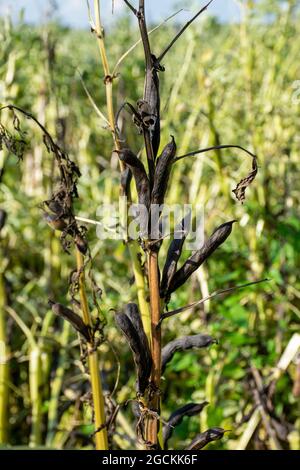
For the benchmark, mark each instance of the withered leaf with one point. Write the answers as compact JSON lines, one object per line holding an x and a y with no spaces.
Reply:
{"x":240,"y":190}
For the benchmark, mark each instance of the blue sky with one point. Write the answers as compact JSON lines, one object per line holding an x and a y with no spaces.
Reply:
{"x":74,"y":12}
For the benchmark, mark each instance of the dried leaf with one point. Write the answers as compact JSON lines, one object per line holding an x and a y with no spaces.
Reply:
{"x":240,"y":190}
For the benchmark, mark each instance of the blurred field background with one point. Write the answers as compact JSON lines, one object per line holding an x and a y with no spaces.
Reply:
{"x":234,"y":83}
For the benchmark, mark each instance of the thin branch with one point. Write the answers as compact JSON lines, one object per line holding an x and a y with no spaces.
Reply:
{"x":217,"y":147}
{"x":162,"y":55}
{"x":135,"y":12}
{"x":120,"y":60}
{"x":209,"y":297}
{"x":92,"y":101}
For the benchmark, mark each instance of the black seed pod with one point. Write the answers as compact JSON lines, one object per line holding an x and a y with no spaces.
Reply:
{"x":191,"y":409}
{"x":132,"y":312}
{"x":162,"y":173}
{"x":174,"y":253}
{"x":126,"y":177}
{"x":139,"y":174}
{"x":201,"y":440}
{"x":72,"y":318}
{"x":138,"y":345}
{"x":183,"y":344}
{"x":197,"y":259}
{"x":3,"y":216}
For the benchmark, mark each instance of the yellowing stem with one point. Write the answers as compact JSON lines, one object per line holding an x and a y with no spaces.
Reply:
{"x":97,"y":393}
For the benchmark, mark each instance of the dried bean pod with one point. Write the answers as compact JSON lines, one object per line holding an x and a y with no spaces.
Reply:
{"x":139,"y":174}
{"x":152,"y":95}
{"x":174,"y":253}
{"x":201,"y":440}
{"x":191,"y":409}
{"x":162,"y":172}
{"x":132,"y":312}
{"x":142,"y":358}
{"x":126,"y":177}
{"x":142,"y":186}
{"x":183,"y":344}
{"x":72,"y":318}
{"x":197,"y":259}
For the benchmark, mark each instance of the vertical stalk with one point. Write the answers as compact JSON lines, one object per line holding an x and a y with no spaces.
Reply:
{"x":133,"y":248}
{"x":97,"y":393}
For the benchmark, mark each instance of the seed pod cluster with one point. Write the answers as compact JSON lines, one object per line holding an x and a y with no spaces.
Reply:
{"x":130,"y":324}
{"x":191,"y":409}
{"x":197,"y":259}
{"x":162,"y":172}
{"x":72,"y":318}
{"x":201,"y":440}
{"x":183,"y":344}
{"x":174,"y":253}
